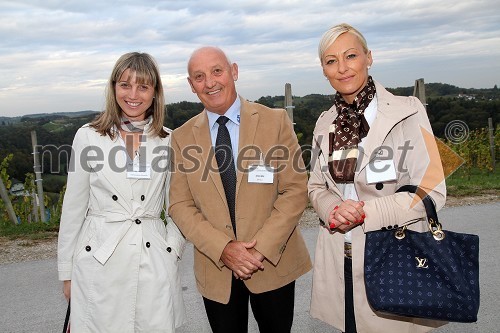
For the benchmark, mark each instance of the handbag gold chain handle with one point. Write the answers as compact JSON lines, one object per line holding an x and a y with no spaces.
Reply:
{"x":400,"y":233}
{"x":434,"y":227}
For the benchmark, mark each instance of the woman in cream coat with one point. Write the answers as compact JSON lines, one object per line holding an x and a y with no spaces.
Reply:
{"x":118,"y":261}
{"x":351,"y":197}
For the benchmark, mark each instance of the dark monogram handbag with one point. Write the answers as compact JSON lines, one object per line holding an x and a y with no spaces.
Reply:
{"x":432,"y":274}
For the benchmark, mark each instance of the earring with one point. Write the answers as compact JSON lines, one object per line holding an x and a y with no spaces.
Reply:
{"x":368,"y":67}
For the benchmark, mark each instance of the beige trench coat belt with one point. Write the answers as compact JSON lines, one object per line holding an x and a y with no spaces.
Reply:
{"x":105,"y":251}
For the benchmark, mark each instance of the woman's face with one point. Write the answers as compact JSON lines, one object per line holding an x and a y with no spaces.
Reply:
{"x":134,"y":99}
{"x":345,"y":65}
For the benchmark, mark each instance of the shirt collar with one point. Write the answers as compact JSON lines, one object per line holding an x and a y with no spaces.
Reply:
{"x":233,"y":113}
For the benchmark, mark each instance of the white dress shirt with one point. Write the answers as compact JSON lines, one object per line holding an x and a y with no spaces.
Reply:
{"x":233,"y":126}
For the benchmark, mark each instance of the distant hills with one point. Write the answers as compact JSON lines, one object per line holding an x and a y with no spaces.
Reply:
{"x":62,"y":114}
{"x":444,"y":104}
{"x":432,"y":90}
{"x":13,"y":120}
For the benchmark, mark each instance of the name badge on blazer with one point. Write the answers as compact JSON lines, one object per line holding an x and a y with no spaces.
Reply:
{"x":380,"y":171}
{"x":263,"y":174}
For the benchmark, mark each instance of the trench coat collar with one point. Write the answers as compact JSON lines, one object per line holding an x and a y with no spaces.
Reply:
{"x":117,"y":158}
{"x":390,"y":111}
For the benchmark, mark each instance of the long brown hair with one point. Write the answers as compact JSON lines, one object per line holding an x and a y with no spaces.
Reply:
{"x":147,"y":72}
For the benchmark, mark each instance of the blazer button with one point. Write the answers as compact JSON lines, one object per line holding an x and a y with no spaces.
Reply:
{"x":148,"y":244}
{"x":88,"y":248}
{"x":137,"y":221}
{"x":379,"y":186}
{"x":143,"y":197}
{"x":389,"y":227}
{"x":169,"y":249}
{"x":114,"y":197}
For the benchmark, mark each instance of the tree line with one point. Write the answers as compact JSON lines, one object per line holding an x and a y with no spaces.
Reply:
{"x":444,"y":104}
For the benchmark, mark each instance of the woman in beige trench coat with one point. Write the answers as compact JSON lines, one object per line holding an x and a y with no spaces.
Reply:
{"x":118,"y":261}
{"x":366,"y":126}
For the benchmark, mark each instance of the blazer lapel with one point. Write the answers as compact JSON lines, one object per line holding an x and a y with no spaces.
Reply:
{"x":248,"y":128}
{"x":201,"y":133}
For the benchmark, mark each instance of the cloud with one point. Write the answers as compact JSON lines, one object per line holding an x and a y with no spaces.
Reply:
{"x":57,"y":55}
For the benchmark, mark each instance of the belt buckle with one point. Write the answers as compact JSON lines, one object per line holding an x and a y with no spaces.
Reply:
{"x":348,"y":250}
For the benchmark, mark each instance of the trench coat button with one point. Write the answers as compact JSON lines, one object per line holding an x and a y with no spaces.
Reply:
{"x":148,"y":244}
{"x":137,"y":221}
{"x":169,"y":249}
{"x":88,"y":248}
{"x":379,"y":186}
{"x":142,"y":197}
{"x":114,"y":197}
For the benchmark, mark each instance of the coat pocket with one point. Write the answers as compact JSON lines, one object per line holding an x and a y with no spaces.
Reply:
{"x":159,"y":237}
{"x":88,"y":240}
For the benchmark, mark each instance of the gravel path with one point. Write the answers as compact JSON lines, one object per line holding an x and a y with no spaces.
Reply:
{"x":24,"y":249}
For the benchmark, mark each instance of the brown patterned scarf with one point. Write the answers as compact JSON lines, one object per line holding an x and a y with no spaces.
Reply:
{"x":346,"y":133}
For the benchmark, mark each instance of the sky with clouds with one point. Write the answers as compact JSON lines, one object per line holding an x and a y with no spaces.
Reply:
{"x":56,"y":55}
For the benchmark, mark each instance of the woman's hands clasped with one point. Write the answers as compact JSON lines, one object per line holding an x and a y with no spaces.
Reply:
{"x":349,"y":214}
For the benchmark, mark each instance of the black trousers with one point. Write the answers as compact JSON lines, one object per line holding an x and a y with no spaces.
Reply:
{"x":350,"y":318}
{"x":273,"y":310}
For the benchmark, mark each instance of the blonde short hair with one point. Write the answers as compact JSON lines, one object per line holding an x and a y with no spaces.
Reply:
{"x":331,"y":35}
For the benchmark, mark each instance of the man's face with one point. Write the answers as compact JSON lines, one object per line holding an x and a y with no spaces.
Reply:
{"x":212,"y":78}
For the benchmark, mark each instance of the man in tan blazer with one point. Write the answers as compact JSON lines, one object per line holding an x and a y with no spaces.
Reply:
{"x":253,"y":251}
